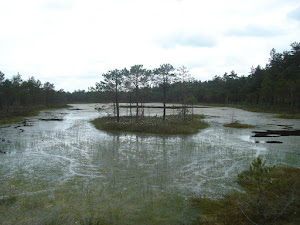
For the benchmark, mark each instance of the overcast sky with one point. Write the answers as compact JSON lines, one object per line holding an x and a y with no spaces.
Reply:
{"x":70,"y":43}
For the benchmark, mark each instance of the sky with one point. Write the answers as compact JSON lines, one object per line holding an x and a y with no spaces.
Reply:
{"x":70,"y":43}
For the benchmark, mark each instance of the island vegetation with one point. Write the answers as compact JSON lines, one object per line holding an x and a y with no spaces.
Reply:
{"x":238,"y":125}
{"x":172,"y":125}
{"x":273,"y":88}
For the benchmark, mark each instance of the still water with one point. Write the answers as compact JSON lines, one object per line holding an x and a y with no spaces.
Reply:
{"x":58,"y":165}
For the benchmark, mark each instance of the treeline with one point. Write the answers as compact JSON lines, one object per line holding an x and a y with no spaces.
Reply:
{"x":17,"y":94}
{"x":18,"y":97}
{"x":277,"y":84}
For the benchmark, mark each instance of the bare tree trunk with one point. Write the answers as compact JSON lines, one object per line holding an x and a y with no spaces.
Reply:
{"x":192,"y":111}
{"x":117,"y":106}
{"x":130,"y":105}
{"x":142,"y":105}
{"x":137,"y":103}
{"x":184,"y":100}
{"x":165,"y":99}
{"x":114,"y":108}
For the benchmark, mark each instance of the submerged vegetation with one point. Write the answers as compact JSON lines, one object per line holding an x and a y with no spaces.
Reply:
{"x":173,"y":124}
{"x":272,"y":196}
{"x":137,"y":179}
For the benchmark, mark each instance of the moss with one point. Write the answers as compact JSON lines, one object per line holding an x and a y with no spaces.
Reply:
{"x":238,"y":125}
{"x":8,"y":200}
{"x":12,"y":119}
{"x":173,"y":125}
{"x":288,"y":116}
{"x":221,"y":211}
{"x":17,"y":114}
{"x":278,"y":186}
{"x":259,"y":108}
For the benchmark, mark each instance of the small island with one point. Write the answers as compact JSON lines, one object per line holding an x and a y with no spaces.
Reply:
{"x":172,"y":125}
{"x":238,"y":125}
{"x":137,"y":79}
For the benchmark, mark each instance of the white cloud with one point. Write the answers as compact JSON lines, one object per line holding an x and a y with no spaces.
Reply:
{"x":256,"y":31}
{"x":58,"y":5}
{"x":70,"y":43}
{"x":187,"y":39}
{"x":295,"y":14}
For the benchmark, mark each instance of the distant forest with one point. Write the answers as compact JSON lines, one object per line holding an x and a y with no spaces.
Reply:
{"x":276,"y":84}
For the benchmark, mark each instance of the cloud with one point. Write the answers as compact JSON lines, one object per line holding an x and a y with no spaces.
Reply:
{"x":294,"y":14}
{"x":65,"y":41}
{"x":58,"y":5}
{"x":187,"y":40}
{"x":254,"y":31}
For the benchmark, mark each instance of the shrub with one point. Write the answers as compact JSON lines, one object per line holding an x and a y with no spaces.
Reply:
{"x":272,"y":196}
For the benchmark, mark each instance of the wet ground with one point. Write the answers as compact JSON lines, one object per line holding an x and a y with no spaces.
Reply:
{"x":61,"y":158}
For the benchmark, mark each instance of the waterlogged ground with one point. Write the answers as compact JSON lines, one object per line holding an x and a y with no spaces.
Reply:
{"x":57,"y":168}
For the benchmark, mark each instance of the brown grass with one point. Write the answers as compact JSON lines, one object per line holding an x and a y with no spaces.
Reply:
{"x":238,"y":125}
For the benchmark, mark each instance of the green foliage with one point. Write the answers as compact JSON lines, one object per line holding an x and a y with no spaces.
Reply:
{"x":277,"y":86}
{"x":289,"y":116}
{"x":265,"y":108}
{"x":173,"y":124}
{"x":216,"y":212}
{"x":93,"y":220}
{"x":137,"y":78}
{"x":8,"y":200}
{"x":19,"y":98}
{"x":257,"y":175}
{"x":271,"y":196}
{"x":164,"y":76}
{"x":2,"y":76}
{"x":113,"y":83}
{"x":18,"y":116}
{"x":273,"y":88}
{"x":191,"y":100}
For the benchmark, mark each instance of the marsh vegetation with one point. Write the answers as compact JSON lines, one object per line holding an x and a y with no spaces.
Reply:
{"x":271,"y":196}
{"x":288,"y":116}
{"x":56,"y":168}
{"x":74,"y":173}
{"x":238,"y":125}
{"x":172,"y":125}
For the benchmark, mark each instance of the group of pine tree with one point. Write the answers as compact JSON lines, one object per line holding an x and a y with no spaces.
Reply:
{"x":276,"y":84}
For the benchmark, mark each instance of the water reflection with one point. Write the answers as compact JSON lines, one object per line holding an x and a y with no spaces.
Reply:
{"x":133,"y":169}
